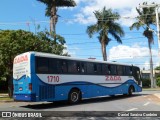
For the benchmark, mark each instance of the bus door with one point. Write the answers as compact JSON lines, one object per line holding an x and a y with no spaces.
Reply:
{"x":136,"y":75}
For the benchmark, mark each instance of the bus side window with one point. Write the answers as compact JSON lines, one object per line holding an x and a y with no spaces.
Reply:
{"x":124,"y":70}
{"x":78,"y":67}
{"x":109,"y":69}
{"x":53,"y":67}
{"x":42,"y":65}
{"x":73,"y":67}
{"x":64,"y":66}
{"x":90,"y":68}
{"x":106,"y":69}
{"x":120,"y":70}
{"x":128,"y":70}
{"x":83,"y":70}
{"x":136,"y":74}
{"x":97,"y":68}
{"x":113,"y":69}
{"x":58,"y":65}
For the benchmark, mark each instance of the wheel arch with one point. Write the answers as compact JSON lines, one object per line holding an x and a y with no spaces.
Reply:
{"x":132,"y":87}
{"x":75,"y":88}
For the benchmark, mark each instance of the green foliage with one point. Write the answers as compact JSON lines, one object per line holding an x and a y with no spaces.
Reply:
{"x":146,"y":18}
{"x":56,"y":3}
{"x":14,"y":42}
{"x":55,"y":46}
{"x":146,"y":82}
{"x":107,"y":28}
{"x":52,"y":8}
{"x":157,"y":68}
{"x":158,"y":81}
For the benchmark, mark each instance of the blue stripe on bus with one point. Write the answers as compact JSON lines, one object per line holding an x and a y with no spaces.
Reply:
{"x":90,"y":89}
{"x":24,"y":76}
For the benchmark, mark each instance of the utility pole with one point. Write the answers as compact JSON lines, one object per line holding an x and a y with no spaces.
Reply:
{"x":158,"y":32}
{"x":156,"y":6}
{"x":158,"y":36}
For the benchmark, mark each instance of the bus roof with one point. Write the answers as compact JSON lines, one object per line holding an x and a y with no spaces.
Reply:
{"x":50,"y":55}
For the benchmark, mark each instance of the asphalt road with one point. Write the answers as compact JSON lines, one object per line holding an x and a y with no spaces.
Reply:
{"x":144,"y":101}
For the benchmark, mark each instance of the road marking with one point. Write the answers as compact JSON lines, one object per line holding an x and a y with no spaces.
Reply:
{"x":157,"y":94}
{"x":132,"y":109}
{"x":146,"y":104}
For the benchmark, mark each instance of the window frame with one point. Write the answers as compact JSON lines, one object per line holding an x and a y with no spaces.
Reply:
{"x":37,"y":65}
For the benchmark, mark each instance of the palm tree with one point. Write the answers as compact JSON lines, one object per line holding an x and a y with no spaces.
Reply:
{"x":146,"y":18}
{"x":51,"y":11}
{"x":106,"y":25}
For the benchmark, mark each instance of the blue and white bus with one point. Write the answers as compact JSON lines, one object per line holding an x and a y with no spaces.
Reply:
{"x":48,"y":77}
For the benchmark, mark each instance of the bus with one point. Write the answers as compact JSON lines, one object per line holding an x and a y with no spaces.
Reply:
{"x":48,"y":77}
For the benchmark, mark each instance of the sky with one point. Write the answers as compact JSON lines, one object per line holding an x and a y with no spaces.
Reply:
{"x":72,"y":25}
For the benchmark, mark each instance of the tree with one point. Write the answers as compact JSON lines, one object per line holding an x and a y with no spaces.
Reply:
{"x":57,"y":45}
{"x":146,"y":18}
{"x":52,"y":8}
{"x":106,"y":25}
{"x":14,"y":42}
{"x":157,"y":68}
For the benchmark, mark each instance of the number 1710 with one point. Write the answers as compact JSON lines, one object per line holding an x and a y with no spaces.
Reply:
{"x":53,"y":78}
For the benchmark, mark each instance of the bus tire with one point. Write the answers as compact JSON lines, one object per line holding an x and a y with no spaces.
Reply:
{"x":74,"y":96}
{"x":130,"y":90}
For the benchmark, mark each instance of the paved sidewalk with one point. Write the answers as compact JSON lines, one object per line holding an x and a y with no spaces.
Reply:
{"x":150,"y":89}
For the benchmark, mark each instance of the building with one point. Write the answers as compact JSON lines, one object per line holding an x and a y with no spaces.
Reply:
{"x":145,"y":74}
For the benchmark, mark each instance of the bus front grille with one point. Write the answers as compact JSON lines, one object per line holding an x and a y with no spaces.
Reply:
{"x":46,"y":92}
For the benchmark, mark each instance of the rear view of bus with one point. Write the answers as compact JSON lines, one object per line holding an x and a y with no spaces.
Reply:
{"x":22,"y":78}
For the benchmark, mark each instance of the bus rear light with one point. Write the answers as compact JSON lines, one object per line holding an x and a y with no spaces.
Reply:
{"x":20,"y":89}
{"x":30,"y":86}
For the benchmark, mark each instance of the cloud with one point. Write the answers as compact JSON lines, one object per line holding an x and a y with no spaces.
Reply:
{"x":146,"y":65}
{"x":128,"y":17}
{"x":71,"y":51}
{"x":124,"y":7}
{"x":127,"y":52}
{"x":84,"y":19}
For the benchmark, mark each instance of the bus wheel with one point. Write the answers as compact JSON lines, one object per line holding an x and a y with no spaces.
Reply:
{"x":130,"y":90}
{"x":74,"y":96}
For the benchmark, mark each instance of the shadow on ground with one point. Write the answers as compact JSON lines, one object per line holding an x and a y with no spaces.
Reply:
{"x":51,"y":105}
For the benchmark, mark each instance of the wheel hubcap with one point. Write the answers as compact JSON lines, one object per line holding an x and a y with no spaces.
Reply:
{"x":74,"y":96}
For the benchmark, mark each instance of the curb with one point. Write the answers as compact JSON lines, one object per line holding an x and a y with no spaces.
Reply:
{"x":5,"y":101}
{"x":150,"y":90}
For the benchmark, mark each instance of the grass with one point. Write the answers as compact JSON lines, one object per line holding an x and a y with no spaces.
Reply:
{"x":5,"y":97}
